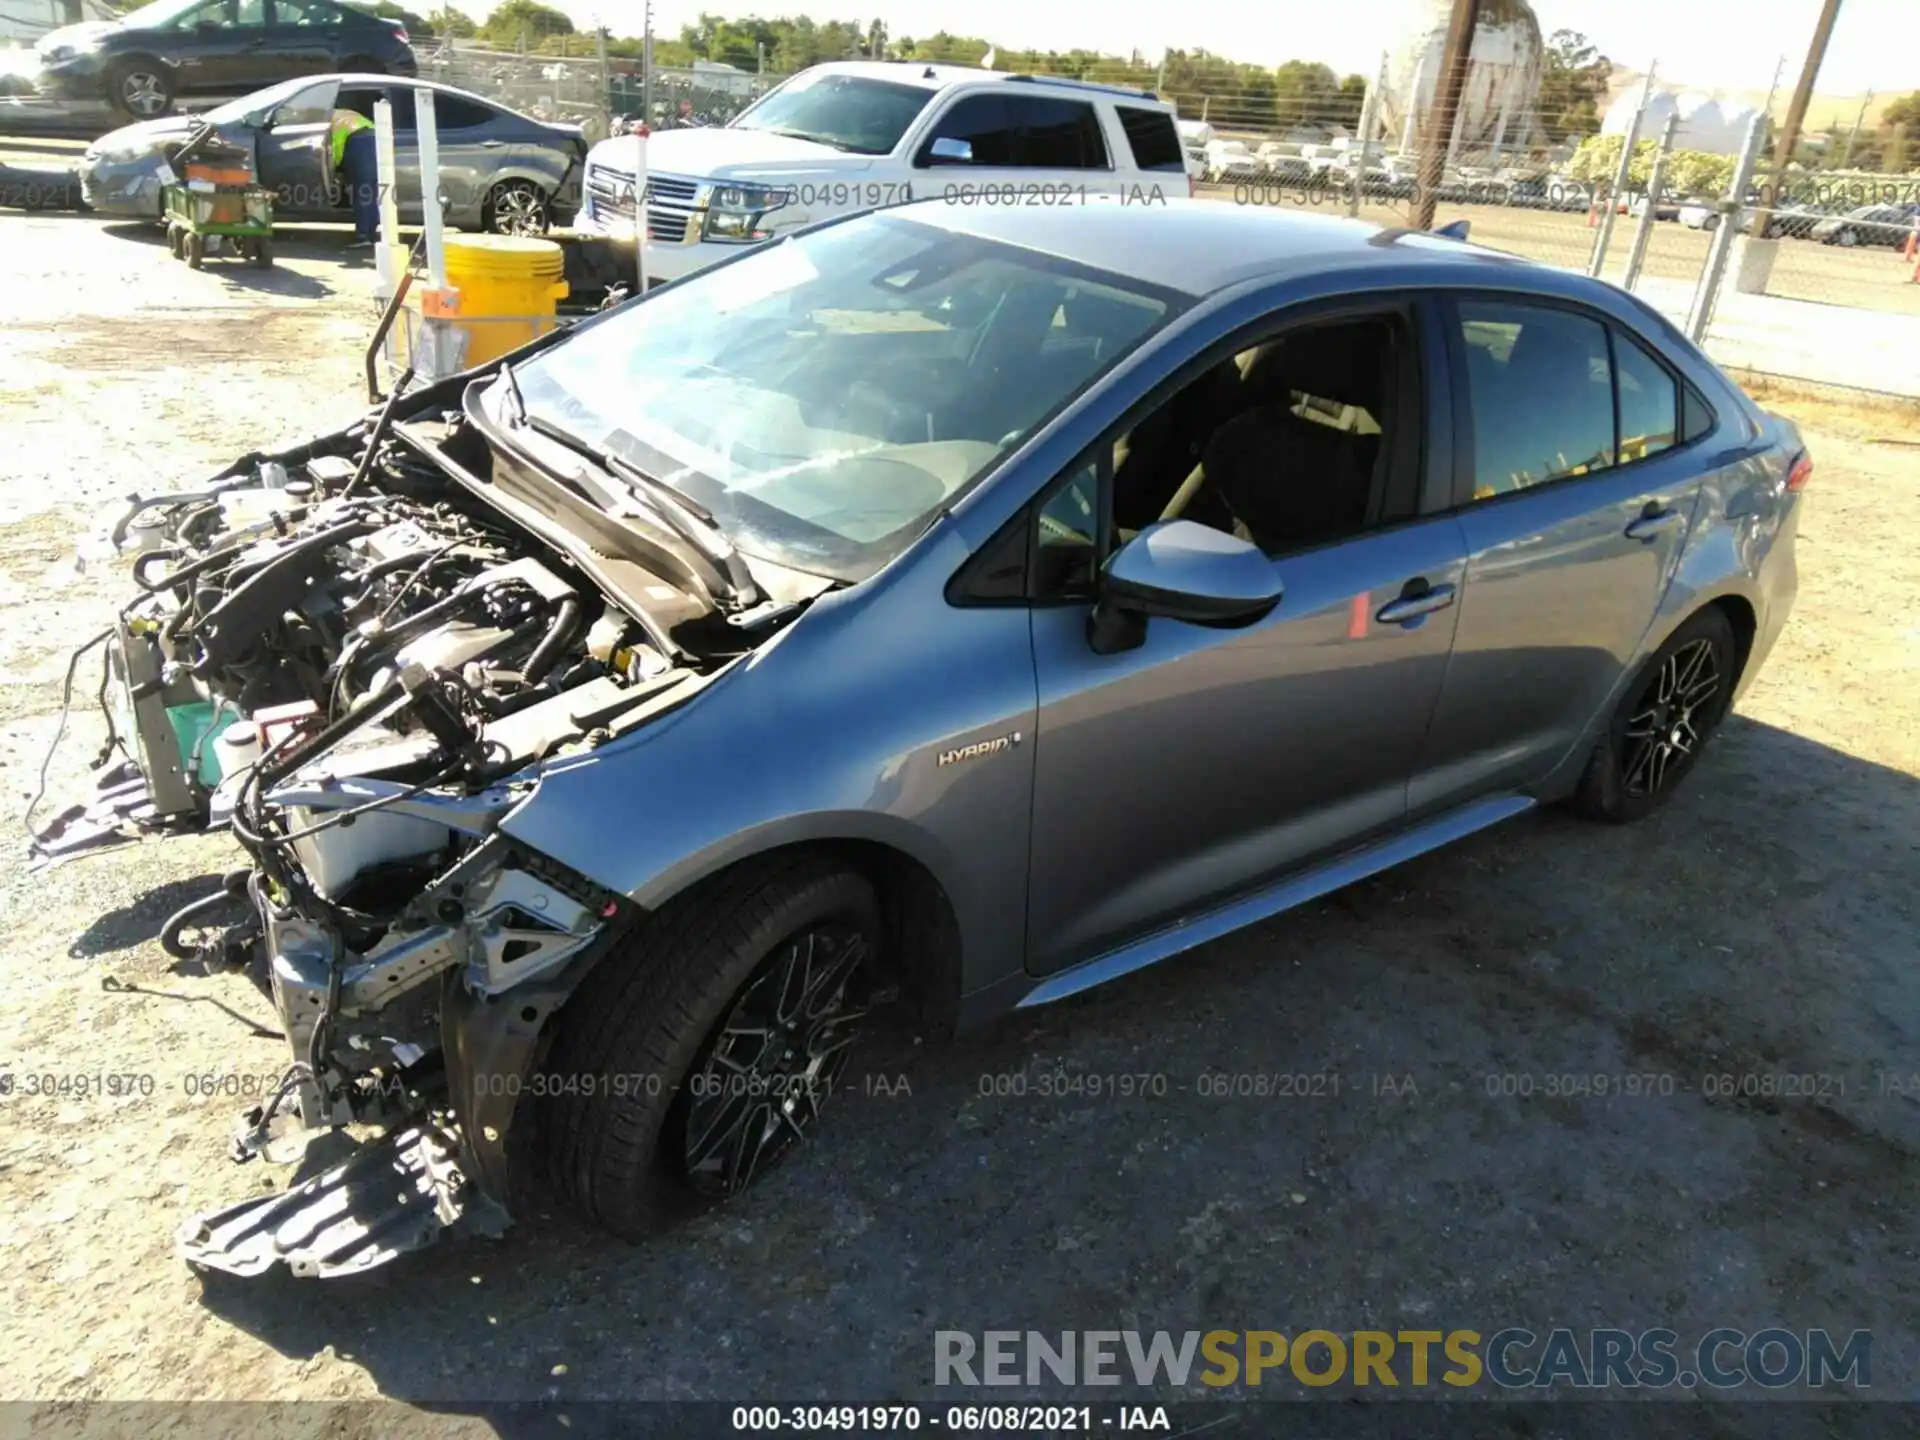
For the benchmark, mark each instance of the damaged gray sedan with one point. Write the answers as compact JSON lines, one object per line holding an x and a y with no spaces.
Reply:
{"x":945,"y":607}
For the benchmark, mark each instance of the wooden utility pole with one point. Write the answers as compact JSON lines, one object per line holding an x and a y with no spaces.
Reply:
{"x":1796,"y":113}
{"x":1446,"y":109}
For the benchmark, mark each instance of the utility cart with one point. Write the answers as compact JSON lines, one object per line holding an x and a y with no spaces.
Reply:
{"x":213,"y":201}
{"x":204,"y":217}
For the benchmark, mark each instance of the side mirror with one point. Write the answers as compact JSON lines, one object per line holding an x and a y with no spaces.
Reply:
{"x":1180,"y":570}
{"x":948,"y":151}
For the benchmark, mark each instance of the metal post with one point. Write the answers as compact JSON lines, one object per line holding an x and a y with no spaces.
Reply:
{"x":605,"y":106}
{"x":1708,"y":293}
{"x":1412,"y":100}
{"x":1598,"y":260}
{"x":640,"y":206}
{"x":1446,"y":106}
{"x":431,"y":201}
{"x":387,"y":174}
{"x":1643,"y":232}
{"x":1846,"y":156}
{"x":1796,"y":114}
{"x":646,"y":74}
{"x":1369,"y":110}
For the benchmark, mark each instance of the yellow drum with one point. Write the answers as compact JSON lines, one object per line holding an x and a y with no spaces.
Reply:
{"x":508,"y":285}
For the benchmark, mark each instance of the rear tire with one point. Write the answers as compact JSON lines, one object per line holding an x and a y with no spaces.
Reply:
{"x":139,"y":88}
{"x":1665,"y":718}
{"x":515,"y":207}
{"x":736,"y":1003}
{"x":195,"y":250}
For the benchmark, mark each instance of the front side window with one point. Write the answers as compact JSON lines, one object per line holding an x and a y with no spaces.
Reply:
{"x":826,"y":396}
{"x":844,"y":112}
{"x":225,"y":15}
{"x":1067,"y":538}
{"x":1024,"y":131}
{"x":306,"y":13}
{"x":1541,"y":392}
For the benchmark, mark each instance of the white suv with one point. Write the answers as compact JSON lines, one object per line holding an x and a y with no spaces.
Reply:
{"x":857,"y":135}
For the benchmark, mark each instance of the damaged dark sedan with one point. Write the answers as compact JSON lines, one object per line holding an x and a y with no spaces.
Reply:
{"x":942,"y":608}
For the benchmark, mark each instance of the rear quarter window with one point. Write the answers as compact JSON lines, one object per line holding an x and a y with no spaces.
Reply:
{"x":1152,"y":138}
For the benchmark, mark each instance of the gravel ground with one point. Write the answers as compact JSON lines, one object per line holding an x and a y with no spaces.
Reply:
{"x":1763,"y":925}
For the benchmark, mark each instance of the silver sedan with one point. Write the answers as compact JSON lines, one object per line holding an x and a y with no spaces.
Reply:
{"x":499,"y":170}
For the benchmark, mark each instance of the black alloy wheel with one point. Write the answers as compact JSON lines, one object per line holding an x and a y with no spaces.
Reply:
{"x":1664,"y":733}
{"x":771,"y":1062}
{"x":1668,"y":713}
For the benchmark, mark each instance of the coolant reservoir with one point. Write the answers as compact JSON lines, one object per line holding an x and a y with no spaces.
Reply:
{"x":244,"y":508}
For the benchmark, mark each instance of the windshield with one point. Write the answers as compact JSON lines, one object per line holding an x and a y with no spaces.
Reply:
{"x":848,"y":112}
{"x":826,"y":396}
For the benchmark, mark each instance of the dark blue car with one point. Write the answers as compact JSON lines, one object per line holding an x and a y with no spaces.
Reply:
{"x":146,"y":60}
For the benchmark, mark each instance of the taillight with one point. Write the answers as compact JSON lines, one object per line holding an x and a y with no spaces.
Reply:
{"x":1801,"y":472}
{"x":400,"y":33}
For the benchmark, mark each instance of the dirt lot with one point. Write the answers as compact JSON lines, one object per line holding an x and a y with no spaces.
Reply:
{"x":1764,"y":925}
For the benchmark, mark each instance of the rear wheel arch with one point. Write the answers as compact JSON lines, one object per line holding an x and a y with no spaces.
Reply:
{"x":1746,"y":624}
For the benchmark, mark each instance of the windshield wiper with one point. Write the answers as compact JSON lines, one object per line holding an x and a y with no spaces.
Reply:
{"x":828,"y":141}
{"x":519,"y":416}
{"x":727,"y":575}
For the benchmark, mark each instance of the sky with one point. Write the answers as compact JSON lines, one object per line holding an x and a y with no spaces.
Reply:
{"x":1707,"y":44}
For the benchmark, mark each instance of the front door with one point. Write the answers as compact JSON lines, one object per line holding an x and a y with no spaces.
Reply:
{"x":1206,"y":761}
{"x":224,"y":50}
{"x":290,"y":151}
{"x":1574,"y":528}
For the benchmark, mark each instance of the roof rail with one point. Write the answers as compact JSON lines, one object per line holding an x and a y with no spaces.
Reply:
{"x":1073,"y":84}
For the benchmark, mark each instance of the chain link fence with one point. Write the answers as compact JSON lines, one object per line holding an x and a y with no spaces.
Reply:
{"x":579,"y":85}
{"x":1524,"y":179}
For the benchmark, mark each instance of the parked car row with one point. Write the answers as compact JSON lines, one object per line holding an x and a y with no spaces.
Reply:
{"x":1831,"y":224}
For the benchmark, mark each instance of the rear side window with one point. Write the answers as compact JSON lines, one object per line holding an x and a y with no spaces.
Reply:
{"x":1696,"y":416}
{"x":1152,"y":138}
{"x":450,"y":112}
{"x":1541,"y":391}
{"x":1030,"y":131}
{"x":1649,"y":402}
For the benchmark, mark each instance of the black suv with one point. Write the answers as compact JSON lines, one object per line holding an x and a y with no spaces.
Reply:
{"x":143,"y":61}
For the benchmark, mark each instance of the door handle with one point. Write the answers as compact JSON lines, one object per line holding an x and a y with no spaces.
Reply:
{"x":1414,"y":603}
{"x":1652,"y":523}
{"x":492,"y":144}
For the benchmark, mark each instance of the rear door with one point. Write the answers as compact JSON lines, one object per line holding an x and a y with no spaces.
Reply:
{"x":476,"y":143}
{"x":1017,"y":150}
{"x":1576,"y":493}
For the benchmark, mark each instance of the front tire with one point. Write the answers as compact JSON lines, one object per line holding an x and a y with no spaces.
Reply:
{"x":730,"y":1015}
{"x":1669,"y":712}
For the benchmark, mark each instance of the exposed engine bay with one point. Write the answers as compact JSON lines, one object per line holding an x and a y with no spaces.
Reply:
{"x":356,"y":655}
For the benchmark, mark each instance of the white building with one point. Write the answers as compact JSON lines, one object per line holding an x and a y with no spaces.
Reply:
{"x":1504,"y":70}
{"x":1707,"y":122}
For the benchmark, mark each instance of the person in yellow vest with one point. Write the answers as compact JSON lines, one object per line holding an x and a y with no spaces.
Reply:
{"x":356,"y":164}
